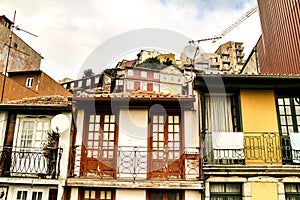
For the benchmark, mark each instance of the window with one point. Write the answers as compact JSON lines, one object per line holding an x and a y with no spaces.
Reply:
{"x":225,"y":191}
{"x":165,"y":145}
{"x":130,"y":72}
{"x":130,"y":85}
{"x":292,"y":191}
{"x":22,"y":195}
{"x":289,"y":114}
{"x":120,"y":82}
{"x":164,"y":195}
{"x":32,"y":132}
{"x":143,"y":74}
{"x":222,"y":121}
{"x":222,"y":113}
{"x":143,"y":86}
{"x":165,"y":77}
{"x":29,"y":195}
{"x":172,"y":78}
{"x":179,"y":79}
{"x":29,"y":82}
{"x":37,"y":195}
{"x":97,"y":194}
{"x":100,"y":144}
{"x":156,"y":75}
{"x":88,"y":82}
{"x":155,"y":87}
{"x":79,"y":84}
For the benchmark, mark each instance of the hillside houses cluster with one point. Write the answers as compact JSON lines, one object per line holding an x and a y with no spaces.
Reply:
{"x":151,"y":128}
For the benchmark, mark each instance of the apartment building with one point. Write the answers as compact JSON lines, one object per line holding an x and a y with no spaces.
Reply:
{"x":250,"y":136}
{"x":135,"y":146}
{"x":26,"y":172}
{"x":231,"y":55}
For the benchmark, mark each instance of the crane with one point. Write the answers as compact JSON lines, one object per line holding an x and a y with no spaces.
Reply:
{"x":229,"y":28}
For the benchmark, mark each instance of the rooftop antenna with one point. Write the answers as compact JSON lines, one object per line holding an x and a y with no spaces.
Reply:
{"x":8,"y":52}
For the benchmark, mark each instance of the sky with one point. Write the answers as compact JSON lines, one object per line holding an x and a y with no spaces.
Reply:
{"x":69,"y":31}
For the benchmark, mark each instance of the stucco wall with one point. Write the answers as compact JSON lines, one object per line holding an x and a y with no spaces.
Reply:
{"x":258,"y":111}
{"x":126,"y":194}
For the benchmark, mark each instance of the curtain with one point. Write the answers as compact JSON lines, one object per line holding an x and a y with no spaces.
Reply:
{"x":218,"y":114}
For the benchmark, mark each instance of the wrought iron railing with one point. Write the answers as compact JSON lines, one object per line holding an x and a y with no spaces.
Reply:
{"x":136,"y":163}
{"x":30,"y":162}
{"x":270,"y":148}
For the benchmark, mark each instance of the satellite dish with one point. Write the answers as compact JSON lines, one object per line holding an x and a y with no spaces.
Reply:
{"x":190,"y":51}
{"x":59,"y":123}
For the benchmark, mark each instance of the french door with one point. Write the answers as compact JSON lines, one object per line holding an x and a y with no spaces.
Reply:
{"x":165,"y":146}
{"x":100,"y":145}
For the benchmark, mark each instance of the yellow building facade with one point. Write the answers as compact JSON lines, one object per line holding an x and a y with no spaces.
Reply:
{"x":249,"y":131}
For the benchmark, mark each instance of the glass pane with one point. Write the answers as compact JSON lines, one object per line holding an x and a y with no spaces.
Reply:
{"x":155,"y":119}
{"x":290,"y":187}
{"x":93,"y":194}
{"x":217,"y":188}
{"x":92,"y":118}
{"x":102,"y":195}
{"x":233,"y":188}
{"x":97,"y":119}
{"x":108,"y":195}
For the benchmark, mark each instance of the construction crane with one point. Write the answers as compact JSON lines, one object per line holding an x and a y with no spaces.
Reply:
{"x":229,"y":28}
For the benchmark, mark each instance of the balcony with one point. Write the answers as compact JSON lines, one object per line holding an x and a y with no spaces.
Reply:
{"x":136,"y":163}
{"x":30,"y":162}
{"x":259,"y":149}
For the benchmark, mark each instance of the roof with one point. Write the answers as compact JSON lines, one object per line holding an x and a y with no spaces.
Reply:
{"x":139,"y":99}
{"x":41,"y":101}
{"x":137,"y":94}
{"x":127,"y":63}
{"x":246,"y":81}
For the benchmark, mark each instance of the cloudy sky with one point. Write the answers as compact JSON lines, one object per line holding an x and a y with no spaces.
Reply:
{"x":69,"y":31}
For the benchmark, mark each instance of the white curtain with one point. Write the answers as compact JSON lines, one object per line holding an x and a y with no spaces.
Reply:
{"x":218,"y":114}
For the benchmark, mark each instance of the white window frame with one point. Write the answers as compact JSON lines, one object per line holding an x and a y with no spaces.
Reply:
{"x":130,"y":85}
{"x":143,"y":85}
{"x":29,"y":82}
{"x":36,"y":143}
{"x":79,"y":83}
{"x":120,"y":82}
{"x":156,"y":76}
{"x":88,"y":82}
{"x":130,"y":72}
{"x":143,"y":74}
{"x":29,"y":190}
{"x":156,"y":87}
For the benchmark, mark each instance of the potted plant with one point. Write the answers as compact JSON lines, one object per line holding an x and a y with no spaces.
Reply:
{"x":52,"y":142}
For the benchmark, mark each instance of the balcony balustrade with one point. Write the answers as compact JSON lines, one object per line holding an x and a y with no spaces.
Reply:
{"x":136,"y":163}
{"x":30,"y":162}
{"x":268,"y":148}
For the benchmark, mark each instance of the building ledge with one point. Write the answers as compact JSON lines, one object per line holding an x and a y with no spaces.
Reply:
{"x":142,"y":183}
{"x":250,"y":170}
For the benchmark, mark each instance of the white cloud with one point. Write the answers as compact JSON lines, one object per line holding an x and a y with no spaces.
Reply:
{"x":68,"y":31}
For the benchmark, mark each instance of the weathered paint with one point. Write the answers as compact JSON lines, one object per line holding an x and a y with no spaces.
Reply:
{"x":22,"y":59}
{"x":263,"y":190}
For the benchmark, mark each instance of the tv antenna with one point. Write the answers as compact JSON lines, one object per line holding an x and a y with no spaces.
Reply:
{"x":11,"y":29}
{"x":229,"y":28}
